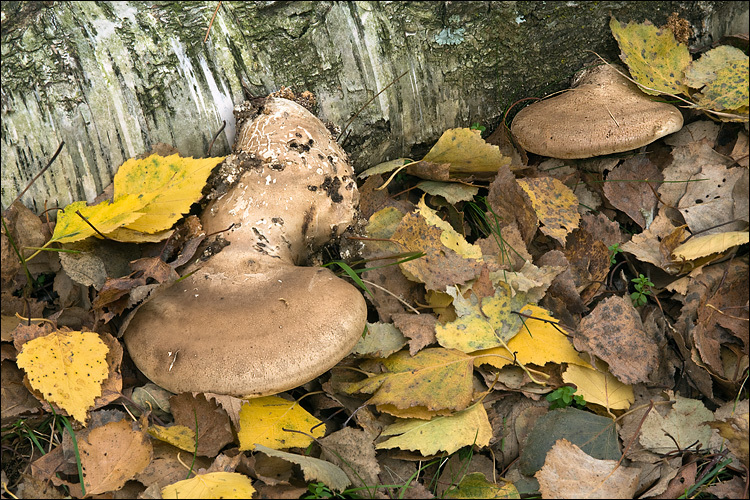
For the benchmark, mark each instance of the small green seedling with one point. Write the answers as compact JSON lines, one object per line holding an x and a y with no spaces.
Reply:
{"x":476,"y":126}
{"x":614,"y":250}
{"x":642,"y":290}
{"x":565,"y":396}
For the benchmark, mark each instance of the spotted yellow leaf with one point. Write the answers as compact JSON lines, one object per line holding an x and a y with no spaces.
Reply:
{"x":466,"y":152}
{"x":655,"y":59}
{"x":555,"y":205}
{"x":264,"y":420}
{"x":68,"y":368}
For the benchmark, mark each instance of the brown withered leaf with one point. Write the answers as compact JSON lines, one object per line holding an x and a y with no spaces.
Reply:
{"x":112,"y":299}
{"x":155,"y":268}
{"x":418,"y":328}
{"x":601,"y":228}
{"x":722,"y":312}
{"x":429,"y":170}
{"x":214,"y":429}
{"x":354,"y":451}
{"x":563,"y":287}
{"x":509,"y":203}
{"x":614,"y":332}
{"x":589,"y":263}
{"x":627,"y":188}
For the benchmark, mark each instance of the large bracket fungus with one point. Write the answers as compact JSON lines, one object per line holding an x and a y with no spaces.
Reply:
{"x":603,"y":114}
{"x":251,"y":321}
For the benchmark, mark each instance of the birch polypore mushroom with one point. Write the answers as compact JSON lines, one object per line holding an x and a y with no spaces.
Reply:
{"x":604,"y":114}
{"x":250,"y":321}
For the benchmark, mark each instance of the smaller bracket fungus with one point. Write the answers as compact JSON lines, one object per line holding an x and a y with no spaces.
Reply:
{"x":250,"y":321}
{"x":604,"y":114}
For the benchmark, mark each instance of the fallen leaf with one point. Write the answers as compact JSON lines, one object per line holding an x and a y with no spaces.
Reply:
{"x":264,"y":420}
{"x":475,"y":485}
{"x":702,"y":246}
{"x":105,"y":217}
{"x":681,"y":426}
{"x":213,"y":427}
{"x":464,"y":428}
{"x":614,"y":332}
{"x":111,"y":455}
{"x":354,"y":452}
{"x":181,"y":436}
{"x":599,"y":388}
{"x":569,"y":472}
{"x":380,"y":341}
{"x":735,"y":431}
{"x":728,"y":91}
{"x":435,"y":378}
{"x":555,"y":205}
{"x":594,"y":434}
{"x":482,"y":323}
{"x":448,"y":259}
{"x":453,"y":192}
{"x":314,"y":469}
{"x":467,"y":153}
{"x":653,"y":56}
{"x":418,"y":328}
{"x":212,"y":485}
{"x":68,"y":368}
{"x":631,"y":187}
{"x":175,"y":183}
{"x":538,"y":342}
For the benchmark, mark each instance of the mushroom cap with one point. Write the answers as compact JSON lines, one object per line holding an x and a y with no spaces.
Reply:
{"x":249,"y":322}
{"x":604,"y":114}
{"x":250,"y":335}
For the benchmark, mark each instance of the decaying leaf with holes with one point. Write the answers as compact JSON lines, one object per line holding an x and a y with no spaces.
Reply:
{"x":67,"y":368}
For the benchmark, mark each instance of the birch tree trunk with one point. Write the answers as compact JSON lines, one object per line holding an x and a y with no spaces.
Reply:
{"x":111,"y":79}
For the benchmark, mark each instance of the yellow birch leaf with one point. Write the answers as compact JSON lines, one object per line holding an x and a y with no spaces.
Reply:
{"x":463,"y":428}
{"x":419,"y":412}
{"x":105,"y":216}
{"x":466,"y":152}
{"x":541,"y":343}
{"x":555,"y":205}
{"x":653,"y":56}
{"x":449,"y":237}
{"x":177,"y":435}
{"x":68,"y":368}
{"x":263,"y":420}
{"x":702,"y":246}
{"x":482,"y":325}
{"x":600,"y":388}
{"x":126,"y":235}
{"x":212,"y":485}
{"x":434,"y":378}
{"x":177,"y":183}
{"x":476,"y":485}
